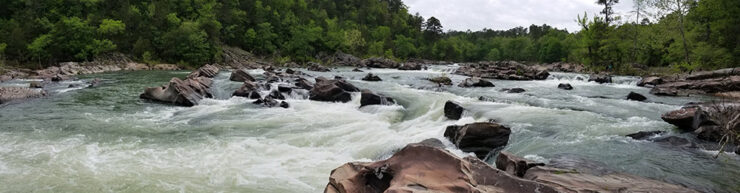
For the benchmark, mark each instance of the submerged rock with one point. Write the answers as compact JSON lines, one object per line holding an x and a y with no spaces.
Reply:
{"x":357,"y":70}
{"x":565,"y":86}
{"x":369,"y":98}
{"x":8,"y":94}
{"x":453,"y":110}
{"x":479,"y":138}
{"x":475,"y":82}
{"x":371,"y":77}
{"x":636,"y":97}
{"x":644,"y":134}
{"x":186,"y":92}
{"x":513,"y":90}
{"x":241,"y":76}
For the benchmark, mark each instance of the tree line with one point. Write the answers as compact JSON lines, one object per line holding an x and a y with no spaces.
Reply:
{"x":686,"y":34}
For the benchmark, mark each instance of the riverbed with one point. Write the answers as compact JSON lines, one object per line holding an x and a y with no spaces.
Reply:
{"x":106,"y":139}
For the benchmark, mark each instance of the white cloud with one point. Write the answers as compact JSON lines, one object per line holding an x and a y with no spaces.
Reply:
{"x":506,"y":14}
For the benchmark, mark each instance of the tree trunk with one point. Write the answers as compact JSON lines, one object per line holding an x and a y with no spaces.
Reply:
{"x":683,"y":35}
{"x":634,"y":46}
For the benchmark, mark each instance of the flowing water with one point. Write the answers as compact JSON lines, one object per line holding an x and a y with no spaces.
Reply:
{"x":105,"y":139}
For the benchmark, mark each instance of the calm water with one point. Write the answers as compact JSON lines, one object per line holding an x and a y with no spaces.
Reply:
{"x":105,"y":139}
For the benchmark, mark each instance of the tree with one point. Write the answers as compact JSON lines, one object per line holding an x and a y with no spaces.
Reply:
{"x":432,"y":29}
{"x":681,"y":8}
{"x":607,"y":11}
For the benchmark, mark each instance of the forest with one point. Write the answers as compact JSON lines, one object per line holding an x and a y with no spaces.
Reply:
{"x":682,"y":35}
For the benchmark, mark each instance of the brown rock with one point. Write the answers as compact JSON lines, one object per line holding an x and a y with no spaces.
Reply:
{"x":208,"y":71}
{"x":15,"y":93}
{"x":682,"y":118}
{"x":564,"y":180}
{"x":441,"y":80}
{"x":165,"y":67}
{"x":514,"y":165}
{"x":241,"y":76}
{"x":506,"y":70}
{"x":186,"y":92}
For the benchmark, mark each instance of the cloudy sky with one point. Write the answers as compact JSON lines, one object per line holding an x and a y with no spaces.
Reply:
{"x":505,"y":14}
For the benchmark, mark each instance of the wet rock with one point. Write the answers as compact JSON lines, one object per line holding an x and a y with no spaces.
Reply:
{"x":514,"y":165}
{"x":284,"y":104}
{"x":505,"y":70}
{"x":275,"y":94}
{"x":513,"y":90}
{"x":710,"y":82}
{"x":565,"y":86}
{"x":248,"y":90}
{"x":433,"y":142}
{"x":713,"y":121}
{"x":651,"y":80}
{"x":644,"y":134}
{"x":377,"y":62}
{"x":304,"y":84}
{"x":208,"y":71}
{"x":36,"y":84}
{"x":332,"y":90}
{"x":94,"y":83}
{"x":371,"y":77}
{"x":570,"y":180}
{"x":636,"y":97}
{"x":658,"y":91}
{"x":369,"y":98}
{"x":487,"y":99}
{"x":421,"y":168}
{"x":442,"y":80}
{"x":357,"y":70}
{"x":289,"y":71}
{"x":8,"y":94}
{"x":410,"y":66}
{"x":479,"y":138}
{"x":475,"y":82}
{"x":241,"y":76}
{"x":186,"y":92}
{"x":58,"y":77}
{"x":285,"y":88}
{"x":4,"y":78}
{"x":313,"y":66}
{"x":135,"y":66}
{"x":674,"y":141}
{"x":453,"y":110}
{"x":682,"y":118}
{"x":268,"y":102}
{"x":600,"y":78}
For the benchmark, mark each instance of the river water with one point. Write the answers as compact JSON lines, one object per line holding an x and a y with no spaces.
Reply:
{"x":105,"y":139}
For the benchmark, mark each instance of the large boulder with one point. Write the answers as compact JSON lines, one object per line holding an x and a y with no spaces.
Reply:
{"x":14,"y":93}
{"x":565,"y":86}
{"x":682,"y":118}
{"x":479,"y":138}
{"x":475,"y":82}
{"x":636,"y":97}
{"x":506,"y":70}
{"x":600,"y":78}
{"x":441,"y":80}
{"x":332,"y":90}
{"x":714,"y":121}
{"x":709,"y":82}
{"x":186,"y":92}
{"x":208,"y":71}
{"x":513,"y":164}
{"x":421,"y":168}
{"x":367,"y":97}
{"x":651,"y":80}
{"x":241,"y":76}
{"x":377,"y":62}
{"x":453,"y":110}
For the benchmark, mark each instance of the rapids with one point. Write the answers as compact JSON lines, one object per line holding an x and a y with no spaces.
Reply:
{"x":105,"y":139}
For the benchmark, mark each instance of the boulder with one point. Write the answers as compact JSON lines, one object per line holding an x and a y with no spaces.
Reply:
{"x":514,"y":165}
{"x":208,"y":71}
{"x":241,"y":76}
{"x":636,"y":97}
{"x":343,"y":59}
{"x":660,"y":91}
{"x":505,"y":70}
{"x":644,"y":134}
{"x":575,"y":180}
{"x":275,"y":94}
{"x":453,"y":110}
{"x":422,"y":168}
{"x":682,"y":118}
{"x":313,"y":66}
{"x":513,"y":90}
{"x":727,"y":72}
{"x":248,"y":90}
{"x":565,"y":86}
{"x":475,"y":82}
{"x":369,"y":98}
{"x":377,"y":62}
{"x":713,"y":121}
{"x":186,"y":92}
{"x":268,"y":102}
{"x":441,"y":80}
{"x":332,"y":90}
{"x":284,"y":104}
{"x":479,"y":138}
{"x":15,"y":93}
{"x":371,"y":77}
{"x":285,"y":88}
{"x":600,"y":78}
{"x":410,"y":66}
{"x":651,"y":80}
{"x":303,"y":83}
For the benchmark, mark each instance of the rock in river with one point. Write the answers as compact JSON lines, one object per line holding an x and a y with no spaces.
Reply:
{"x":453,"y":110}
{"x":14,"y":93}
{"x":442,"y":80}
{"x":636,"y":97}
{"x":475,"y":82}
{"x":186,"y":92}
{"x":565,"y":86}
{"x":371,"y":77}
{"x":370,"y":98}
{"x":332,"y":90}
{"x":241,"y":76}
{"x":600,"y":78}
{"x":479,"y":138}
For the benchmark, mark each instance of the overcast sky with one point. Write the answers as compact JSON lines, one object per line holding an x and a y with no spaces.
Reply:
{"x":506,"y":14}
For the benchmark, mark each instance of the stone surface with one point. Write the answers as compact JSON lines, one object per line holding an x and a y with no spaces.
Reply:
{"x":565,"y":86}
{"x":682,"y":118}
{"x":453,"y":110}
{"x":476,"y":82}
{"x":367,"y":97}
{"x":241,"y":76}
{"x":636,"y":97}
{"x":186,"y":92}
{"x":442,"y":80}
{"x":513,"y":164}
{"x":644,"y":134}
{"x":507,"y":70}
{"x":8,"y":94}
{"x":371,"y":77}
{"x":480,"y":138}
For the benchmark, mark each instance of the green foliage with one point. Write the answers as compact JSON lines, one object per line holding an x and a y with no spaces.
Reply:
{"x":112,"y":27}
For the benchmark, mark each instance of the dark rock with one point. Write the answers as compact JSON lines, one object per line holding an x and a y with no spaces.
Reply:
{"x":268,"y":102}
{"x":513,"y":90}
{"x":342,"y":59}
{"x":275,"y":94}
{"x":186,"y":92}
{"x":565,"y":86}
{"x":514,"y":165}
{"x":332,"y":90}
{"x":284,"y":105}
{"x":442,"y":80}
{"x":36,"y":84}
{"x":487,"y":99}
{"x":600,"y":78}
{"x":58,"y":77}
{"x":453,"y":110}
{"x":377,"y":62}
{"x":248,"y":90}
{"x":15,"y":93}
{"x":313,"y":66}
{"x":479,"y":138}
{"x":658,"y":91}
{"x":304,"y":84}
{"x":713,"y":121}
{"x":644,"y":134}
{"x":652,"y":80}
{"x":370,"y":98}
{"x":682,"y":118}
{"x":433,"y":142}
{"x":410,"y":66}
{"x":636,"y":97}
{"x":73,"y":85}
{"x":674,"y":141}
{"x":357,"y":70}
{"x":95,"y":83}
{"x":371,"y":77}
{"x":289,"y":71}
{"x":421,"y":168}
{"x":241,"y":76}
{"x":475,"y":82}
{"x":569,"y":180}
{"x":285,"y":88}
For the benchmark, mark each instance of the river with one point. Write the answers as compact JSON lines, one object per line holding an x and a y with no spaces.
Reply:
{"x":105,"y":139}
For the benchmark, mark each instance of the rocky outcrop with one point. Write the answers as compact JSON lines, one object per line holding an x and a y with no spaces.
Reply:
{"x":600,"y":78}
{"x":8,"y":94}
{"x":372,"y":78}
{"x":682,"y":118}
{"x":186,"y":92}
{"x":377,"y":62}
{"x":636,"y":97}
{"x":475,"y":82}
{"x":441,"y":80}
{"x":710,"y":121}
{"x":710,"y":82}
{"x":565,"y":86}
{"x":239,"y":59}
{"x":422,"y":168}
{"x":563,"y":67}
{"x":410,"y":66}
{"x":368,"y":97}
{"x":241,"y":76}
{"x":332,"y":90}
{"x":453,"y":110}
{"x":650,"y":80}
{"x":479,"y":138}
{"x":313,"y":66}
{"x":208,"y":71}
{"x":502,"y":70}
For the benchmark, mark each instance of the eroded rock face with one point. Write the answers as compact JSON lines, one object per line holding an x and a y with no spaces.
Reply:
{"x":476,"y":82}
{"x":479,"y":138}
{"x":186,"y":92}
{"x":507,"y":70}
{"x":421,"y":168}
{"x":8,"y":94}
{"x":241,"y":76}
{"x":370,"y":98}
{"x":332,"y":90}
{"x":453,"y":110}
